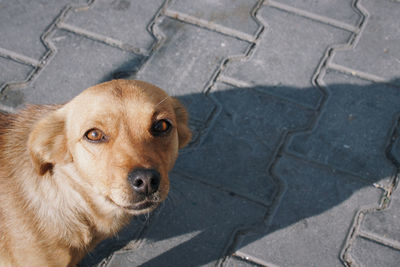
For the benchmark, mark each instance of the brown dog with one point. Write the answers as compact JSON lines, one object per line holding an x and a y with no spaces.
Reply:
{"x":73,"y":175}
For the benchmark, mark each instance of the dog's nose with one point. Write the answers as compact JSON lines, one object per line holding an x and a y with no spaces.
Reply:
{"x":144,"y":181}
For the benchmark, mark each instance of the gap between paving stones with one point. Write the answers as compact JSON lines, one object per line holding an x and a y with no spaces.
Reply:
{"x":242,"y":84}
{"x":219,"y":28}
{"x":98,"y":37}
{"x":313,"y":16}
{"x":378,"y":239}
{"x":18,"y":57}
{"x":248,"y":260}
{"x":115,"y":42}
{"x":255,"y":261}
{"x":208,"y":25}
{"x":221,"y":188}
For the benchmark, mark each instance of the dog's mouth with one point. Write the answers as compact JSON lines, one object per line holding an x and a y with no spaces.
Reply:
{"x":143,"y":206}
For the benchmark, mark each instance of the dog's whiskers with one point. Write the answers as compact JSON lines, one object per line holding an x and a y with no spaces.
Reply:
{"x":159,"y":103}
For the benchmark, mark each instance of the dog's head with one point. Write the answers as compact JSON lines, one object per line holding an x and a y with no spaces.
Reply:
{"x":119,"y":138}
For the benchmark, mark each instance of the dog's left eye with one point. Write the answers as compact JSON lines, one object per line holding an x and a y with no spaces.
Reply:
{"x":160,"y":127}
{"x":95,"y":135}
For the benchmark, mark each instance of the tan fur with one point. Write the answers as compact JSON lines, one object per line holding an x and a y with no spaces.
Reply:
{"x":59,"y":193}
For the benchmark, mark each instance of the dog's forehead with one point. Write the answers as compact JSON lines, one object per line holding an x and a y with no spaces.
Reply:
{"x":127,"y":90}
{"x":136,"y":101}
{"x":120,"y":93}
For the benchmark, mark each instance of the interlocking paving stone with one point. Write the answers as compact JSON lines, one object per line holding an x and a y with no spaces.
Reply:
{"x":186,"y":61}
{"x":367,"y":253}
{"x":131,"y":18}
{"x":378,"y":50}
{"x":78,"y":64}
{"x":238,"y":149}
{"x":192,"y":228}
{"x":353,"y":129}
{"x":313,"y":218}
{"x":12,"y":71}
{"x":385,"y":223}
{"x":286,"y":56}
{"x":335,"y":9}
{"x":24,"y":22}
{"x":231,"y":14}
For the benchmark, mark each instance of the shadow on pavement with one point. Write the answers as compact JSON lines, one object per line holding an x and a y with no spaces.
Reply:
{"x":264,"y":147}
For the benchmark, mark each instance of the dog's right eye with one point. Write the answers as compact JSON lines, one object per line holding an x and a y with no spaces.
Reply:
{"x":95,"y":135}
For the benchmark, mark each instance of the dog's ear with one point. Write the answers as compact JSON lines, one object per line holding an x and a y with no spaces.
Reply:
{"x":184,"y":132}
{"x":47,"y":143}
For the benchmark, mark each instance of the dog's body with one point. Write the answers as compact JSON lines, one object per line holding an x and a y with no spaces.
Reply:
{"x":73,"y":175}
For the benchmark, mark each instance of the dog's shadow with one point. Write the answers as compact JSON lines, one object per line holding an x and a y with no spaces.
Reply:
{"x":264,"y":159}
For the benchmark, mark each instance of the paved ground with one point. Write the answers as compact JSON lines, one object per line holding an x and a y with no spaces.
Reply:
{"x":295,"y":106}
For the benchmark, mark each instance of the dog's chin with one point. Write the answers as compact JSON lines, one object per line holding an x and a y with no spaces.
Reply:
{"x":138,"y":208}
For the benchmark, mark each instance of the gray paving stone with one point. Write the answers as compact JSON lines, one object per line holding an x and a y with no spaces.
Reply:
{"x":367,"y":253}
{"x":378,"y":50}
{"x":24,"y":22}
{"x":192,"y":229}
{"x":131,"y":18}
{"x":78,"y":64}
{"x":287,"y":57}
{"x":313,"y":217}
{"x":385,"y":223}
{"x":12,"y":71}
{"x":352,"y":132}
{"x":238,"y":262}
{"x":236,"y":153}
{"x":336,"y":9}
{"x":235,"y":15}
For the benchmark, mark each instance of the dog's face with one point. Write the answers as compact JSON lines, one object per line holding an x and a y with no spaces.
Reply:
{"x":121,"y":138}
